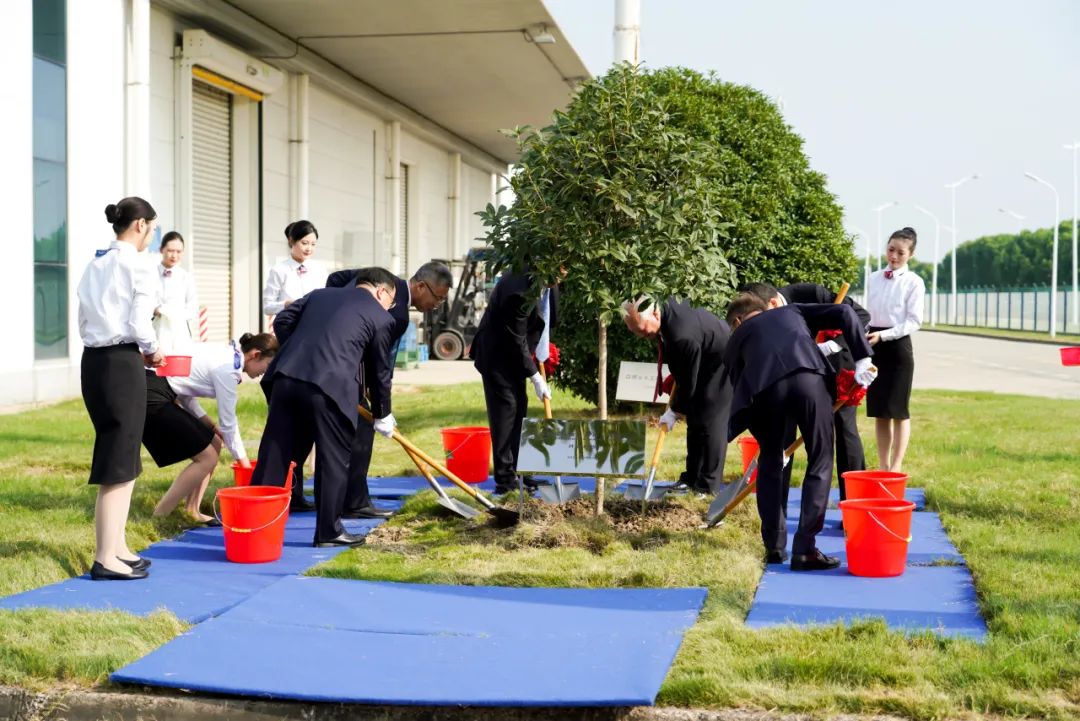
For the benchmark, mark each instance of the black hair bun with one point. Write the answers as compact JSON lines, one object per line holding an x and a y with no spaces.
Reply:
{"x":909,"y":229}
{"x":112,"y":213}
{"x":245,"y":338}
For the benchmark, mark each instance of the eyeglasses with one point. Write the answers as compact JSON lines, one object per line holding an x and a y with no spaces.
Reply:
{"x":438,"y":298}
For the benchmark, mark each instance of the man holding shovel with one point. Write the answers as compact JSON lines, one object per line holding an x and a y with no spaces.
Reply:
{"x":425,"y":290}
{"x":692,"y":341}
{"x":502,"y":350}
{"x":778,"y":375}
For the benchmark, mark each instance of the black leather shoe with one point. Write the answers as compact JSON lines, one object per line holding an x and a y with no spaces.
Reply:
{"x":138,"y":564}
{"x":366,"y":512}
{"x":345,"y":539}
{"x":816,"y":561}
{"x":530,"y":483}
{"x":100,"y":573}
{"x":776,"y":557}
{"x":301,"y":505}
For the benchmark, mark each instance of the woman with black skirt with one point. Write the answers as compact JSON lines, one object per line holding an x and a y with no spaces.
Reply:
{"x":117,"y":295}
{"x":895,"y":301}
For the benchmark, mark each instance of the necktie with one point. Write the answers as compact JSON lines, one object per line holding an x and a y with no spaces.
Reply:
{"x":888,"y":275}
{"x":167,"y":273}
{"x":301,"y":269}
{"x":658,"y":390}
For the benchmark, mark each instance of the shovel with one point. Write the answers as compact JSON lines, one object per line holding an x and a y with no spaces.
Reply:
{"x":504,"y":517}
{"x":560,"y":492}
{"x":443,"y":498}
{"x":648,"y":492}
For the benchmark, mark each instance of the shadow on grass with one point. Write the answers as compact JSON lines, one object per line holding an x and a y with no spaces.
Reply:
{"x":69,"y":559}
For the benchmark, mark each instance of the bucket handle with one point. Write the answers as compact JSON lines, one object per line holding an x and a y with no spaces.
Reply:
{"x":450,"y":453}
{"x":888,"y":493}
{"x":277,"y":518}
{"x":887,"y":529}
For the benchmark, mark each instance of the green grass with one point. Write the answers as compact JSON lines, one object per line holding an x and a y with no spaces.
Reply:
{"x":1044,"y":336}
{"x":1001,"y":470}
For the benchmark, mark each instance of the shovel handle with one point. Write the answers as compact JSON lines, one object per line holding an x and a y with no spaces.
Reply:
{"x":413,"y":450}
{"x":659,"y":446}
{"x":547,"y":401}
{"x":844,"y":288}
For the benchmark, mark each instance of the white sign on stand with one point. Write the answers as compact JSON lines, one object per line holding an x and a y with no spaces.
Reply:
{"x":637,"y":382}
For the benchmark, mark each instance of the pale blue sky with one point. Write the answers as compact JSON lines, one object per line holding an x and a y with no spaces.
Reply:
{"x":893,"y":99}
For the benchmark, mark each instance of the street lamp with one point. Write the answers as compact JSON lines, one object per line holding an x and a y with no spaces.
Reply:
{"x":880,"y":244}
{"x":1016,"y":216}
{"x":937,"y":249}
{"x":1075,"y":315}
{"x":1054,"y":256}
{"x":952,"y":300}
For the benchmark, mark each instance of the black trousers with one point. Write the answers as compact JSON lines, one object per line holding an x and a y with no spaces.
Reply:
{"x":849,"y":448}
{"x":300,"y":416}
{"x":507,"y":403}
{"x":802,"y":398}
{"x":706,"y":442}
{"x":356,"y":493}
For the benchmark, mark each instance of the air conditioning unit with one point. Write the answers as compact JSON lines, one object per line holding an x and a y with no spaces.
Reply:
{"x":203,"y":49}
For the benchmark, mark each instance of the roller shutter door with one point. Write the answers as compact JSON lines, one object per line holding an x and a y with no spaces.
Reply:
{"x":403,"y":241}
{"x":211,"y":150}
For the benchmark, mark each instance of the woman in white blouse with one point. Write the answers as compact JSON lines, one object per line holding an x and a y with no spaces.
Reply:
{"x":177,"y":305}
{"x":177,"y":427}
{"x":297,"y":275}
{"x":895,"y":301}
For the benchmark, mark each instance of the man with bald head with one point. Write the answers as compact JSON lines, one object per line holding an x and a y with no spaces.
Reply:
{"x":692,"y":341}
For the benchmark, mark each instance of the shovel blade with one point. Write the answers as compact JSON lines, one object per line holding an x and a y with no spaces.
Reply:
{"x":504,"y":517}
{"x":457,"y":507}
{"x":561,"y":493}
{"x":718,"y":509}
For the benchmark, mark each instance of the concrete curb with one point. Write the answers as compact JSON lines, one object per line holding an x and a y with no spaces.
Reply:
{"x":990,"y":336}
{"x":88,"y":705}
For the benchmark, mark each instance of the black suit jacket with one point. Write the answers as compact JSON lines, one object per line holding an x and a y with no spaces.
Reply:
{"x":694,"y":344}
{"x":325,"y":336}
{"x":816,"y":293}
{"x":400,"y":311}
{"x":511,"y":327}
{"x":777,"y":343}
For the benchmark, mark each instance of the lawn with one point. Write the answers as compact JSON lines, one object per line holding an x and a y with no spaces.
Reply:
{"x":1000,"y":470}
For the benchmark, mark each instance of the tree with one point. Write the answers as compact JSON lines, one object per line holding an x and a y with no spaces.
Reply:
{"x":662,"y":183}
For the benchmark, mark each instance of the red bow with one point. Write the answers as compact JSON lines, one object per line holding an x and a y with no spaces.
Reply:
{"x":552,"y":361}
{"x":847,"y":390}
{"x":301,"y":269}
{"x":825,"y":335}
{"x":888,"y":274}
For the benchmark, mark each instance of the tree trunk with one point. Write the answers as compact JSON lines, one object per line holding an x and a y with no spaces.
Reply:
{"x":601,"y":401}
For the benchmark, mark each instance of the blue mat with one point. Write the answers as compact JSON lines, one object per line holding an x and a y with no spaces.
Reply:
{"x":936,"y":598}
{"x":929,"y":541}
{"x":190,"y":576}
{"x":404,"y":644}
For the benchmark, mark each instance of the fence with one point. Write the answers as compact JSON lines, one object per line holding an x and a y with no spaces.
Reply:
{"x":1006,"y":308}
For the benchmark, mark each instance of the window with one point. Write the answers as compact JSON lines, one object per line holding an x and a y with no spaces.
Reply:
{"x":50,"y":181}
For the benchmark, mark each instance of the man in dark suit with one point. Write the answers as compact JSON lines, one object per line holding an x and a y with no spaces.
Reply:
{"x":502,"y":351}
{"x":778,"y":375}
{"x":849,"y":448}
{"x":313,"y":385}
{"x":692,"y":341}
{"x":425,"y":290}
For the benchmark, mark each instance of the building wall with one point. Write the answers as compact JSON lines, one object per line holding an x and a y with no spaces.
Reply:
{"x":429,"y":207}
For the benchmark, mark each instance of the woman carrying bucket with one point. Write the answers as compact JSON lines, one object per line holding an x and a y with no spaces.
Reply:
{"x":116,"y":306}
{"x":297,"y":275}
{"x":177,"y":427}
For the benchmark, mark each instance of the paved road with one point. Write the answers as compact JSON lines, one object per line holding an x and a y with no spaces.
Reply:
{"x":958,"y":362}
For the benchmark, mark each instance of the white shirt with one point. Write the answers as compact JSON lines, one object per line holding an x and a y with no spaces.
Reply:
{"x":216,"y":371}
{"x":117,"y":295}
{"x":287,"y":282}
{"x":895,"y":304}
{"x":177,"y":305}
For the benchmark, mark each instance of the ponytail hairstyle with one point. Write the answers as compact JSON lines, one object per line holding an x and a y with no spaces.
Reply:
{"x":127,"y":211}
{"x":906,"y":233}
{"x":299,"y":230}
{"x":265,"y":343}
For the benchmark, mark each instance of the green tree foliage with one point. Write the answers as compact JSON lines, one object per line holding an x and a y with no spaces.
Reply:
{"x":661,"y":183}
{"x":1004,"y":261}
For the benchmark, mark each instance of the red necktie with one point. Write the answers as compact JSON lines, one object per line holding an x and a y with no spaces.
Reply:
{"x":658,"y":390}
{"x":888,"y":275}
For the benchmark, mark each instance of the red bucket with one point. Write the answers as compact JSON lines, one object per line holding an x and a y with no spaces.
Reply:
{"x":253,"y":519}
{"x":468,"y":452}
{"x":749,"y":448}
{"x":887,"y":485}
{"x":1070,"y":356}
{"x":878,"y":534}
{"x":175,"y":365}
{"x":241,"y":475}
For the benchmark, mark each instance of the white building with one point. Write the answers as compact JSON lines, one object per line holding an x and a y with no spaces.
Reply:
{"x":377,"y":120}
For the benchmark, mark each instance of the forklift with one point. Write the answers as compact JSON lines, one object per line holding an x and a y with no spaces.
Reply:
{"x":450,"y":328}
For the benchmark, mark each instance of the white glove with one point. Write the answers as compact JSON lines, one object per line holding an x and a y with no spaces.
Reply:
{"x":386,"y":425}
{"x":829,"y":347}
{"x":865,"y":372}
{"x":540,"y":386}
{"x":668,"y":419}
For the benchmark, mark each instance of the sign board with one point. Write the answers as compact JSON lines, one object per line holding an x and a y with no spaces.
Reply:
{"x":637,"y":381}
{"x":582,"y":448}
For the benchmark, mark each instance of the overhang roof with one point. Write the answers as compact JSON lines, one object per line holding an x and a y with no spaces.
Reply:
{"x":465,"y":65}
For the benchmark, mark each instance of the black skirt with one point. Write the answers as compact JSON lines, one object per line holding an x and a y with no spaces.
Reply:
{"x":171,"y":434}
{"x":114,"y":391}
{"x":890,"y":394}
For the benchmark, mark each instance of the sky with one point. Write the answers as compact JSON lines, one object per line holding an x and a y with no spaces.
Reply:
{"x":893,"y":99}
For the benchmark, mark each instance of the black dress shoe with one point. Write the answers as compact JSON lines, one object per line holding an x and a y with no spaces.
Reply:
{"x":100,"y":573}
{"x":137,"y":564}
{"x":212,"y":523}
{"x":366,"y":512}
{"x":301,"y":505}
{"x":776,"y":557}
{"x":345,"y":539}
{"x":816,"y":561}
